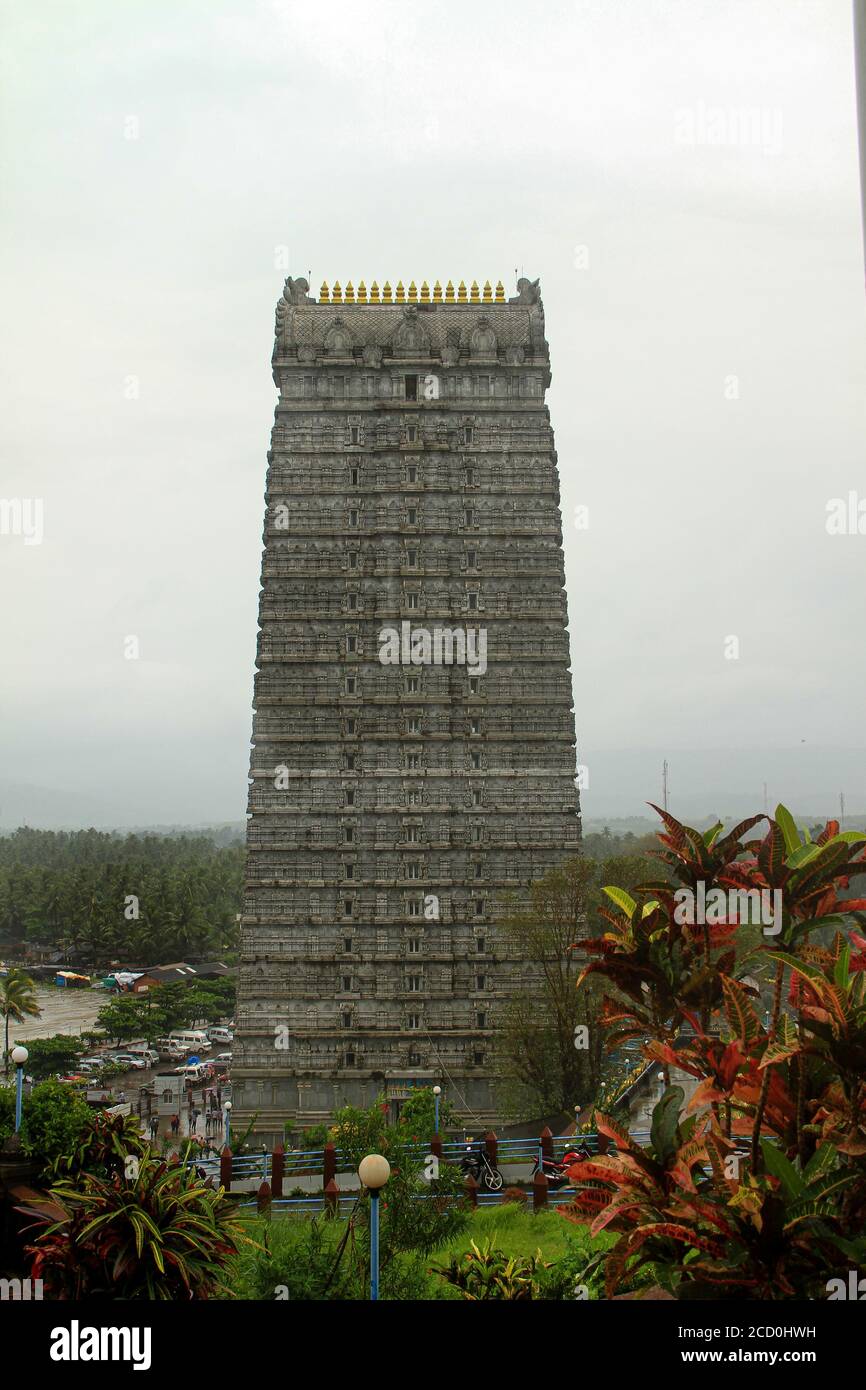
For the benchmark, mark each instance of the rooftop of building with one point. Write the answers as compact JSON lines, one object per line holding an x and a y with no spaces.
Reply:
{"x":336,"y":294}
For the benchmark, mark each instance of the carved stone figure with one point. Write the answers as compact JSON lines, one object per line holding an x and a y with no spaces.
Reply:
{"x":528,"y":292}
{"x":411,"y":335}
{"x":482,"y":341}
{"x":294,"y":292}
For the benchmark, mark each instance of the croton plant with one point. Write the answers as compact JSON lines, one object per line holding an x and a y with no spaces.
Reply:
{"x":754,"y":1186}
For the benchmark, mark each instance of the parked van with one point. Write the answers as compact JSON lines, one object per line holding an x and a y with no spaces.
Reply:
{"x":190,"y":1040}
{"x":146,"y":1053}
{"x":197,"y":1071}
{"x":220,"y":1035}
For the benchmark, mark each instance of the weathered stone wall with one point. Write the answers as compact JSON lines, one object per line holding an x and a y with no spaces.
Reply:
{"x":393,"y":807}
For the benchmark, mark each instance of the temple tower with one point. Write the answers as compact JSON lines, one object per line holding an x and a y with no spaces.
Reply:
{"x":413,"y":754}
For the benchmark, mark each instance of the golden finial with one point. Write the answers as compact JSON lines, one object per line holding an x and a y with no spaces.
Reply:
{"x":412,"y":292}
{"x":425,"y":292}
{"x":350,"y":293}
{"x":449,"y":293}
{"x":488,"y":293}
{"x":323,"y":292}
{"x":500,"y":292}
{"x":473,"y":292}
{"x":336,"y":293}
{"x":461,"y":292}
{"x":437,"y":293}
{"x":374,"y":293}
{"x":386,"y":293}
{"x":400,"y":293}
{"x":362,"y":292}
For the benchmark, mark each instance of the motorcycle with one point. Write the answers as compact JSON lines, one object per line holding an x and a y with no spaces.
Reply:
{"x":476,"y":1162}
{"x":556,"y":1170}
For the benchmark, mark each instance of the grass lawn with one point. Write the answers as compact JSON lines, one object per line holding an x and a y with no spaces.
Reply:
{"x":510,"y":1227}
{"x":520,"y":1232}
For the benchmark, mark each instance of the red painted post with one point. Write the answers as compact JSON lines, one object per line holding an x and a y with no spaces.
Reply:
{"x":278,"y":1168}
{"x":491,"y":1146}
{"x":539,"y":1191}
{"x":332,"y":1198}
{"x":471,"y":1189}
{"x":436,"y":1147}
{"x":263,"y":1200}
{"x":226,"y":1169}
{"x":546,"y":1142}
{"x":329,"y":1164}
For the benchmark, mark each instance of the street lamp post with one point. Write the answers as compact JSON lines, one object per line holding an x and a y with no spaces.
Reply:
{"x":437,"y":1091}
{"x":374,"y":1171}
{"x":227,"y":1115}
{"x":19,"y":1057}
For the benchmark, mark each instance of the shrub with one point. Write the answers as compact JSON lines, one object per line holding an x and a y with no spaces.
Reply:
{"x":485,"y":1272}
{"x":780,"y":1225}
{"x":157,"y":1234}
{"x":54,"y":1120}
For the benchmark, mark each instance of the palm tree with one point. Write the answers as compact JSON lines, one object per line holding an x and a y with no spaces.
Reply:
{"x":17,"y":1001}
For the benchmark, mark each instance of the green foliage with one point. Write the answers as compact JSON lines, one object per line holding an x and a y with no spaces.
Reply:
{"x":103,"y":1146}
{"x":418,"y":1115}
{"x":486,"y":1272}
{"x":69,"y":889}
{"x":709,"y":1223}
{"x":165,"y":1008}
{"x":17,"y":1002}
{"x":288,"y":1255}
{"x":50,"y":1056}
{"x":316,"y":1137}
{"x":54,"y":1120}
{"x":158,"y":1234}
{"x":313,"y":1260}
{"x":546,"y":1073}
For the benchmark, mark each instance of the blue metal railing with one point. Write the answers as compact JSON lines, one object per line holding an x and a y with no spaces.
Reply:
{"x":300,"y":1163}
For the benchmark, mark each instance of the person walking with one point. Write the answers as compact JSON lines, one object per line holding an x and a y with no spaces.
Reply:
{"x":175,"y":1124}
{"x":154,"y":1129}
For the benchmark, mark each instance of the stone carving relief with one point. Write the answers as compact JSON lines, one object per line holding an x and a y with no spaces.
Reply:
{"x":528,"y":292}
{"x":337,"y":339}
{"x":294,"y":292}
{"x":411,"y":336}
{"x":482,"y":340}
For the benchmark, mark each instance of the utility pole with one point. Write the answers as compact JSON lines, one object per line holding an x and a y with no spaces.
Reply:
{"x":665,"y":784}
{"x":766,"y":807}
{"x":841,"y":810}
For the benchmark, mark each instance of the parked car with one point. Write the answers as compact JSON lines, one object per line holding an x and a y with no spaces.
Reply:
{"x":223,"y":1057}
{"x":126,"y":1059}
{"x":222,"y":1035}
{"x":147,"y":1054}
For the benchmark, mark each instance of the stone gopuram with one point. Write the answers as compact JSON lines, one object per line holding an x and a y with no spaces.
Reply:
{"x":413,"y":759}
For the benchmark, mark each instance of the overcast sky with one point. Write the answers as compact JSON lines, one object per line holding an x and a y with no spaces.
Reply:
{"x":683,"y":178}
